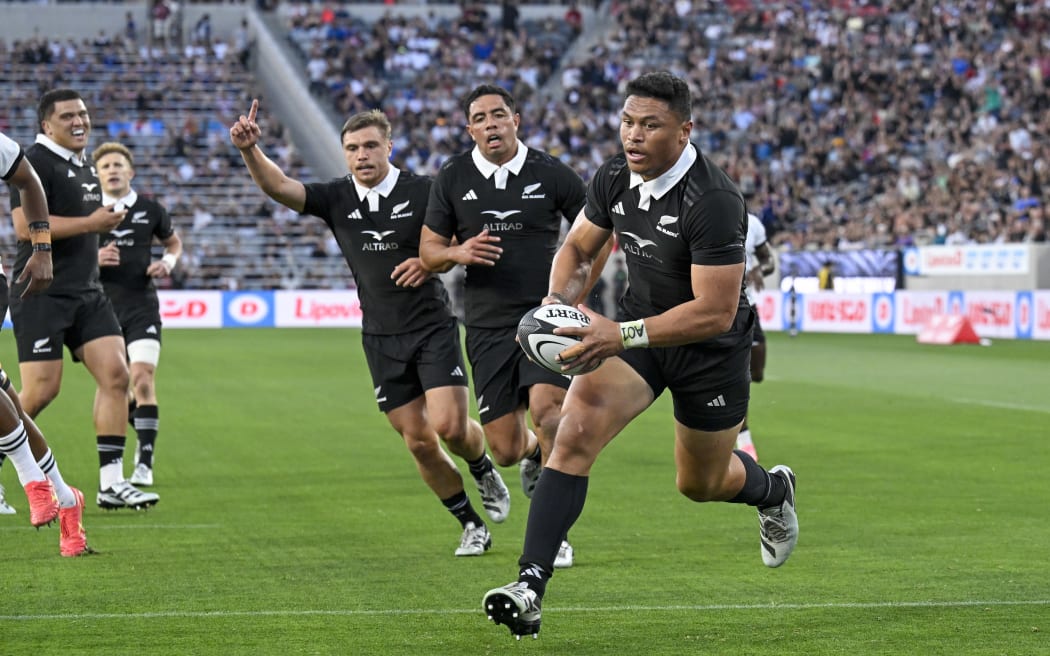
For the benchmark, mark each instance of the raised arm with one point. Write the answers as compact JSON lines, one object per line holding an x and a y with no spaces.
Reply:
{"x":244,"y":134}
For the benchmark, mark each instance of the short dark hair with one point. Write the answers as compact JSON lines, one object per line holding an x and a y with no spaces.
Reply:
{"x":369,"y":119}
{"x":664,"y":86}
{"x":46,"y":107}
{"x":487,"y":90}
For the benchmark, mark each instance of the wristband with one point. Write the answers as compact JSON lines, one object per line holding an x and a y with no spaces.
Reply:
{"x":42,"y":246}
{"x":633,"y":334}
{"x":40,"y":232}
{"x":170,"y":259}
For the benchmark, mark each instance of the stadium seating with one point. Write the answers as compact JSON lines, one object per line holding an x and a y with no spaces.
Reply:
{"x":875,"y":124}
{"x":173,"y":110}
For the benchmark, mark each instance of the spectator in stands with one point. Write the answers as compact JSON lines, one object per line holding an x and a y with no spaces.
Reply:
{"x":74,"y":312}
{"x":161,"y":15}
{"x":127,"y":270}
{"x":574,"y":19}
{"x":410,"y":337}
{"x":20,"y":439}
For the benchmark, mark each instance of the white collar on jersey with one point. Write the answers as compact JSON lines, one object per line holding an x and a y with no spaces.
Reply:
{"x":658,"y":186}
{"x":385,"y":186}
{"x":488,"y":169}
{"x":128,"y":199}
{"x":61,"y":151}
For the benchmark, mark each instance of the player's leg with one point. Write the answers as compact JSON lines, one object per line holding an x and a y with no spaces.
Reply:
{"x":41,"y":380}
{"x":106,"y":360}
{"x":441,"y":372}
{"x":447,"y":412}
{"x":143,"y":356}
{"x":72,"y":536}
{"x":709,"y":409}
{"x":597,"y":407}
{"x":744,"y":441}
{"x":402,"y":368}
{"x":494,"y":357}
{"x":15,"y":445}
{"x":440,"y":474}
{"x":545,"y":401}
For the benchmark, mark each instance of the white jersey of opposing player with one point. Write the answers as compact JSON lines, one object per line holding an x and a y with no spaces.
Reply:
{"x":756,"y":236}
{"x":8,"y":154}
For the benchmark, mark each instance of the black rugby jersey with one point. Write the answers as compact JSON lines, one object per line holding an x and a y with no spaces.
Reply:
{"x":701,"y":220}
{"x":527,"y":216}
{"x":374,"y":243}
{"x":71,"y":191}
{"x":145,"y":220}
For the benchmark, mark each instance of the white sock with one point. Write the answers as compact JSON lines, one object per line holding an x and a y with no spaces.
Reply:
{"x":111,"y":474}
{"x":16,"y":447}
{"x":744,"y":438}
{"x":66,"y":498}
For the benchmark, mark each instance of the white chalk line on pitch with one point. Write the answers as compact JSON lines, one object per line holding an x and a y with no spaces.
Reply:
{"x":392,"y":612}
{"x":1006,"y":405}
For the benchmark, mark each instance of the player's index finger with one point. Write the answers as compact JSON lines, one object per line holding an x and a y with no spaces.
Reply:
{"x":254,"y":110}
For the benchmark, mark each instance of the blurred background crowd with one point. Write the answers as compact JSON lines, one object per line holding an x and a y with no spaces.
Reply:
{"x":848,"y":124}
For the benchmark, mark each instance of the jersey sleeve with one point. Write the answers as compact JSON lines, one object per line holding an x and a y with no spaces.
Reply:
{"x":440,"y":216}
{"x":716,"y":229}
{"x":596,"y":208}
{"x":164,"y":228}
{"x":574,"y":196}
{"x":318,"y":201}
{"x":10,"y":156}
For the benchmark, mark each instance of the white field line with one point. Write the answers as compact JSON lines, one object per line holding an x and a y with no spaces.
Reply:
{"x":1006,"y":405}
{"x":394,"y":612}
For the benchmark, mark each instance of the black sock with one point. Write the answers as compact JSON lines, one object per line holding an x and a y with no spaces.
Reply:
{"x":132,"y":406}
{"x":556,"y":505}
{"x":760,"y":489}
{"x":481,"y":466}
{"x":147,"y":423}
{"x":536,"y":455}
{"x":459,"y":505}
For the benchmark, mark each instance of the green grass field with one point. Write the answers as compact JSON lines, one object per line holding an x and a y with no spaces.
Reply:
{"x":292,"y":520}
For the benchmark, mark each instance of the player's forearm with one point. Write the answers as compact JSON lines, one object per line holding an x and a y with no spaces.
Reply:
{"x":688,"y":323}
{"x":271,"y":179}
{"x":571,"y":274}
{"x":34,"y":203}
{"x":436,"y":255}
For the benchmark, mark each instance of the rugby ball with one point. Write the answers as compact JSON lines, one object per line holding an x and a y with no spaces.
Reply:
{"x":536,"y":336}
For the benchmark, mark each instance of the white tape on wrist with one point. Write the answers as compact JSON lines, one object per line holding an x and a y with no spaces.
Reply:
{"x":633,"y":334}
{"x":169,"y":259}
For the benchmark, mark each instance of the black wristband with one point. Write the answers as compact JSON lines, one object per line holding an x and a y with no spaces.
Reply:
{"x":42,"y":247}
{"x":39,"y":226}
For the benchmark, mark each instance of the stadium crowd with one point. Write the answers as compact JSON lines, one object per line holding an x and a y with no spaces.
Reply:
{"x":173,"y":108}
{"x":848,"y":124}
{"x":873,"y":124}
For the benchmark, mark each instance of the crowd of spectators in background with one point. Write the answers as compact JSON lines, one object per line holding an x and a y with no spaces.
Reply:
{"x":847,"y":123}
{"x":877,"y":124}
{"x":173,"y":106}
